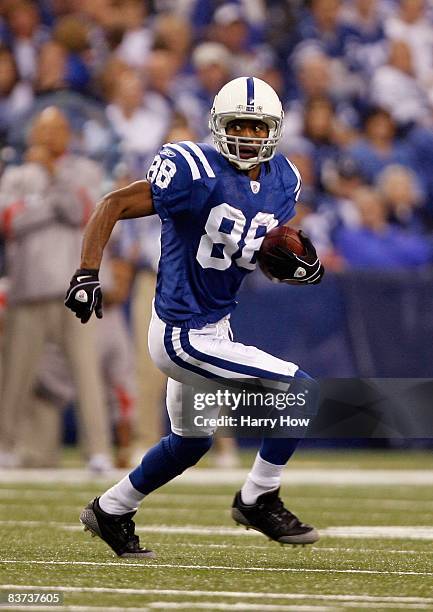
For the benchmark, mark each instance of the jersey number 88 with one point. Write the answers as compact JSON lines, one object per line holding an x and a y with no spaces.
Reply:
{"x":224,"y":229}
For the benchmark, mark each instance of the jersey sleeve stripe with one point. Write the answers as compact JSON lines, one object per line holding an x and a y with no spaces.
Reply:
{"x":201,"y":156}
{"x":195,"y":172}
{"x":298,"y":176}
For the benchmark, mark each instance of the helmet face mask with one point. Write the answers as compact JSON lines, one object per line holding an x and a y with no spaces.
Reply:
{"x":246,"y":99}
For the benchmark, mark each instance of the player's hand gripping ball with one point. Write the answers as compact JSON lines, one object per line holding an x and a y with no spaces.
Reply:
{"x":289,"y":256}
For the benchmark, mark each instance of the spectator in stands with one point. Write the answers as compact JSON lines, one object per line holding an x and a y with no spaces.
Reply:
{"x":180,"y":130}
{"x":26,"y":36}
{"x":394,"y":87}
{"x":173,"y":34}
{"x":92,"y":134}
{"x":137,"y":36}
{"x":420,"y":141}
{"x":313,"y":72}
{"x":411,"y":24}
{"x":212,"y":65}
{"x":322,"y":131}
{"x":139,"y":126}
{"x":335,"y":208}
{"x":301,"y":153}
{"x":72,"y":35}
{"x":316,"y":74}
{"x":365,"y":43}
{"x":342,"y":177}
{"x":323,"y":23}
{"x":160,"y":72}
{"x":43,"y":207}
{"x":400,"y":190}
{"x":4,"y":7}
{"x":274,"y":75}
{"x":51,"y":68}
{"x":281,"y":27}
{"x":376,"y":243}
{"x":231,"y":28}
{"x":378,"y":147}
{"x":15,"y":96}
{"x":102,"y":20}
{"x":112,"y":71}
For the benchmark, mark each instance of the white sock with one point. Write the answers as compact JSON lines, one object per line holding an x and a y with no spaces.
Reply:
{"x":264,"y":477}
{"x":121,"y":498}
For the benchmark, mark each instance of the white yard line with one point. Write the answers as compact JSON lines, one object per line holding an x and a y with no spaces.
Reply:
{"x":403,"y":600}
{"x":376,"y":606}
{"x":186,"y":503}
{"x":187,"y":530}
{"x":315,"y":549}
{"x":19,"y":493}
{"x":204,"y":476}
{"x":163,"y":605}
{"x":403,"y":532}
{"x":73,"y":608}
{"x":220,"y":606}
{"x":380,"y":532}
{"x":152,"y":510}
{"x":152,"y":565}
{"x":383,"y":551}
{"x":188,"y":605}
{"x":190,"y":498}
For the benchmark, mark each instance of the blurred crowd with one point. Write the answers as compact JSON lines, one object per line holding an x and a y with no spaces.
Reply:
{"x":355,"y":77}
{"x":89,"y":91}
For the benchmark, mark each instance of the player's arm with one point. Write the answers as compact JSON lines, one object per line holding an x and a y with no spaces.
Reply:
{"x":130,"y":202}
{"x":84,"y":294}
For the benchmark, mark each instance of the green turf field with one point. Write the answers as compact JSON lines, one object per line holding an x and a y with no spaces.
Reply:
{"x":376,"y":550}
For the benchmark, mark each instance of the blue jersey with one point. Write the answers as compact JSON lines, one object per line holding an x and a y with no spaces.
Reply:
{"x":214,"y":219}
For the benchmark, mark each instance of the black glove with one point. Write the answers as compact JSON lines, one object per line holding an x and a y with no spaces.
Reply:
{"x":287,"y":267}
{"x":84,"y":295}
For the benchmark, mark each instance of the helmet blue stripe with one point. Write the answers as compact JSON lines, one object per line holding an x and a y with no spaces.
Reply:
{"x":250,"y":91}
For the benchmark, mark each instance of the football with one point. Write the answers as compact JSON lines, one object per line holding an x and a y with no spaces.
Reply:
{"x":284,"y":237}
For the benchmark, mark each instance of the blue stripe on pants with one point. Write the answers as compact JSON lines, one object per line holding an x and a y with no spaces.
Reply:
{"x":168,"y":343}
{"x":236,"y":368}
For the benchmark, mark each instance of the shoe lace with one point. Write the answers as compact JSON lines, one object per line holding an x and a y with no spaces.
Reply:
{"x":278,"y":513}
{"x":128,"y":528}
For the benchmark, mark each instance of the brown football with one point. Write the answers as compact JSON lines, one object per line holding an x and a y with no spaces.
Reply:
{"x":284,"y":237}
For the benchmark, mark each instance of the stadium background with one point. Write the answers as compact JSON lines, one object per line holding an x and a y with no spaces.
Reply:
{"x":356,"y":81}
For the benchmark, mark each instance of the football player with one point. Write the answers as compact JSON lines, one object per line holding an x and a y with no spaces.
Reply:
{"x":215,"y":205}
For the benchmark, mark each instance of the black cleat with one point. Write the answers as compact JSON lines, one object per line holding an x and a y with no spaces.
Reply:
{"x":118,"y":531}
{"x":269,"y":516}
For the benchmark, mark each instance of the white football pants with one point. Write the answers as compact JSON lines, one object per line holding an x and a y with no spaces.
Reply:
{"x":188,"y":356}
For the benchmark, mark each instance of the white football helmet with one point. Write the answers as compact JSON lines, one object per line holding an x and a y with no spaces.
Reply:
{"x":246,"y":98}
